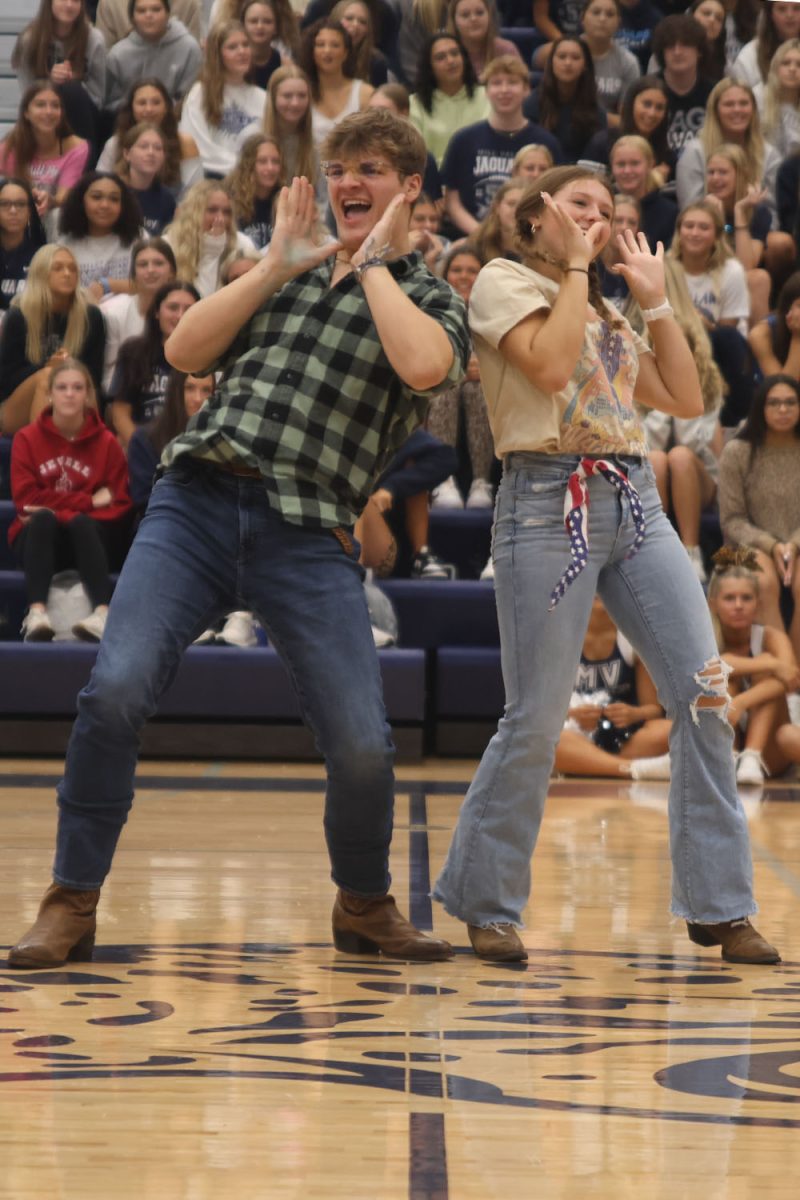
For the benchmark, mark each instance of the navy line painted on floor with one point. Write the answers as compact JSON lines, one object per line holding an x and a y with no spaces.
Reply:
{"x":235,"y":783}
{"x":419,"y":871}
{"x":427,"y":1157}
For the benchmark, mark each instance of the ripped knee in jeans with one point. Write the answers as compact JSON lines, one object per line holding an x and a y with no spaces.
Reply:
{"x":714,"y":696}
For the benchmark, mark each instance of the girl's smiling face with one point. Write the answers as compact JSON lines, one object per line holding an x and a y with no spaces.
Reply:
{"x":292,"y":100}
{"x":534,"y":164}
{"x":102,"y":204}
{"x":148,"y":105}
{"x":267,"y":167}
{"x":462,"y":273}
{"x":698,"y":232}
{"x":649,"y":110}
{"x":721,"y":177}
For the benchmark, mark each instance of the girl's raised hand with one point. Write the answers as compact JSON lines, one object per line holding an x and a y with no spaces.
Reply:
{"x":577,"y":248}
{"x":642,"y":270}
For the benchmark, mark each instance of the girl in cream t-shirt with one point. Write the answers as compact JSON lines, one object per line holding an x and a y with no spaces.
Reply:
{"x":578,"y":514}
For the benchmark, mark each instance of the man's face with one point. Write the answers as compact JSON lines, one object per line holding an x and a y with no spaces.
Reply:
{"x":361,"y":188}
{"x":681,"y":57}
{"x":506,"y":93}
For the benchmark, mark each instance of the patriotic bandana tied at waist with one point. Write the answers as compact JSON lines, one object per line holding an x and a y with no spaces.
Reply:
{"x":576,"y":516}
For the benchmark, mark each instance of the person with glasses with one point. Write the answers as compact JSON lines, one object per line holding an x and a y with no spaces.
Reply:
{"x":21,"y":235}
{"x":759,"y":495}
{"x":329,"y":356}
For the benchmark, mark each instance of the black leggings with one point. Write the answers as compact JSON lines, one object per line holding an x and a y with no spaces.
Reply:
{"x":46,"y":545}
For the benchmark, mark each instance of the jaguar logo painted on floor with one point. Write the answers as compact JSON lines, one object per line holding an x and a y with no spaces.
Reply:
{"x":678,"y":1038}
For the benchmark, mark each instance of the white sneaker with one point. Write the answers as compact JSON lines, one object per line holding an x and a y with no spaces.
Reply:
{"x":381,"y":638}
{"x":207,"y":638}
{"x":447,"y":495}
{"x":36,"y":626}
{"x":793,"y":703}
{"x":480,"y":494}
{"x":238,"y":630}
{"x":650,"y":768}
{"x":488,"y":570}
{"x":750,"y":769}
{"x":90,"y":629}
{"x":696,"y":559}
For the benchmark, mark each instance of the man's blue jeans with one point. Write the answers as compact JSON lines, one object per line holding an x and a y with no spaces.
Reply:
{"x":209,"y":543}
{"x":655,"y":599}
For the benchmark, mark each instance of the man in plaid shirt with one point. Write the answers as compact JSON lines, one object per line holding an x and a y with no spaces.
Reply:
{"x":328,"y":356}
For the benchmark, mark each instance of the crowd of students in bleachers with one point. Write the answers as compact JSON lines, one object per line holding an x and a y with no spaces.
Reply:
{"x":151,"y":144}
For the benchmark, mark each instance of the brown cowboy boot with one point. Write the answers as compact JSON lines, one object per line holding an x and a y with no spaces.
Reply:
{"x":740,"y":942}
{"x":363,"y":925}
{"x":497,"y":943}
{"x":64,"y":930}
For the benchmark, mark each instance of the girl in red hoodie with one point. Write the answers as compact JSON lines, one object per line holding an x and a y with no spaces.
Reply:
{"x":69,"y":484}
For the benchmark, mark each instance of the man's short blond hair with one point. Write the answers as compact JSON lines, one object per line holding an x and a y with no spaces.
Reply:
{"x":377,"y":131}
{"x":507,"y":64}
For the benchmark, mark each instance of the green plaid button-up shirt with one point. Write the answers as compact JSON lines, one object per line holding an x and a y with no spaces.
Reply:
{"x":309,"y":397}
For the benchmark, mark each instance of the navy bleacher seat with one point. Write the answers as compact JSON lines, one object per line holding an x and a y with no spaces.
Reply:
{"x":462,"y":536}
{"x":220,"y":681}
{"x":223,"y":702}
{"x":433,"y":613}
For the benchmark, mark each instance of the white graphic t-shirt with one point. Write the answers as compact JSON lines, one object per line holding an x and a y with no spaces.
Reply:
{"x":594,"y":414}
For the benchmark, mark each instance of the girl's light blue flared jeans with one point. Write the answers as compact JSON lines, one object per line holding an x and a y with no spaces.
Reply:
{"x":657,"y":602}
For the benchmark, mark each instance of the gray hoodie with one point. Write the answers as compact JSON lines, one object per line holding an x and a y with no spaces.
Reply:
{"x":175,"y":60}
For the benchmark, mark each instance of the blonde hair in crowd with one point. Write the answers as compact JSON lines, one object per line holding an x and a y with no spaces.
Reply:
{"x":212,"y":75}
{"x":721,"y":251}
{"x":692,"y":328}
{"x":429,"y":14}
{"x":736,"y":156}
{"x":305,"y":159}
{"x":711,"y":136}
{"x":241,"y":182}
{"x":771,"y":111}
{"x":731,"y":562}
{"x":633,"y":141}
{"x":185,"y":234}
{"x":522,"y":154}
{"x":35,"y":303}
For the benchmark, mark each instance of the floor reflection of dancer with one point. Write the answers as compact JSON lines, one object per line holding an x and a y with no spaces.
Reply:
{"x":326,"y":366}
{"x":561,"y":371}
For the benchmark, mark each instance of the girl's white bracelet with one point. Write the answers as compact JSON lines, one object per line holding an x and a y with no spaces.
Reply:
{"x":654,"y":314}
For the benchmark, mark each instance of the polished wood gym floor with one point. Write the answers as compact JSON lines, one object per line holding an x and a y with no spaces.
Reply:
{"x":219,"y":1047}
